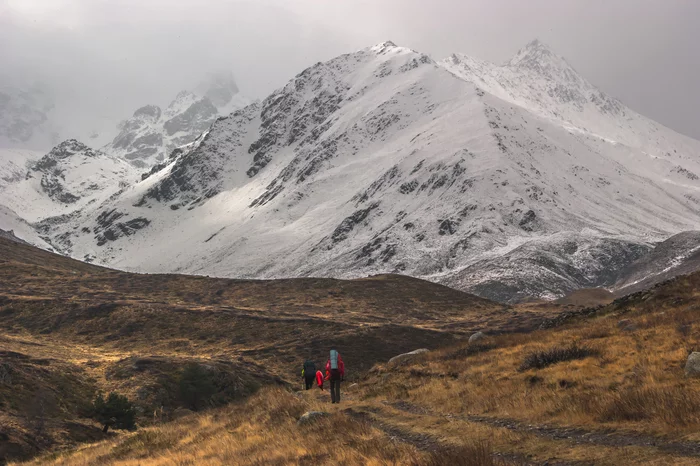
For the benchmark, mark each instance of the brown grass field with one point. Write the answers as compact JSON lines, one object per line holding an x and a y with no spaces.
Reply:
{"x":607,"y":387}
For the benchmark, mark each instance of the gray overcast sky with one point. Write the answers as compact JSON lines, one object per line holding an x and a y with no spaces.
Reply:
{"x":109,"y":57}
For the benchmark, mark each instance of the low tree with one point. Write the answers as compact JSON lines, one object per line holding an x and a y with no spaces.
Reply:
{"x":196,"y":386}
{"x":116,"y":412}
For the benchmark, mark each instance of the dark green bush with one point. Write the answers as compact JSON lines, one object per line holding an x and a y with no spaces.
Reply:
{"x":116,"y":411}
{"x":197,"y":387}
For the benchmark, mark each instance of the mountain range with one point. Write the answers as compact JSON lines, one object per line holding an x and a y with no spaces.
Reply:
{"x":511,"y":181}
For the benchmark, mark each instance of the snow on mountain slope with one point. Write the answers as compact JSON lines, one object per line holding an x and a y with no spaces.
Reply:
{"x":149,"y":136}
{"x":70,"y":177}
{"x":14,"y":164}
{"x":544,"y":83}
{"x":385,"y":161}
{"x":14,"y":227}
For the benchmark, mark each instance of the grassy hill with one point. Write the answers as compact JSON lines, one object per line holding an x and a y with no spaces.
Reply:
{"x":70,"y":329}
{"x":551,"y":384}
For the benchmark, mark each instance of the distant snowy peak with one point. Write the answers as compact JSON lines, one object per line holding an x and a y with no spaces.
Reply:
{"x":151,"y":134}
{"x":71,"y":176}
{"x":72,"y":171}
{"x":545,"y":84}
{"x":62,"y":152}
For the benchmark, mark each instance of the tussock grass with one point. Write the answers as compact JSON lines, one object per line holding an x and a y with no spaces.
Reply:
{"x":675,"y":406}
{"x":557,"y":354}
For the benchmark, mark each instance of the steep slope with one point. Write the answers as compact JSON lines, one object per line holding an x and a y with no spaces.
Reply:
{"x":678,"y":255}
{"x":149,"y":136}
{"x":385,"y":161}
{"x":547,"y":85}
{"x":70,"y":177}
{"x":15,"y":228}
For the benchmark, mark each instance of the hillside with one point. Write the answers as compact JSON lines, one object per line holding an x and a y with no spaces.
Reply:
{"x":512,"y":182}
{"x":603,"y":386}
{"x":69,"y":329}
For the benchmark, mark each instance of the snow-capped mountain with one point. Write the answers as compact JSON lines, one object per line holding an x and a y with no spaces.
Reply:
{"x":152,"y":133}
{"x":69,"y":178}
{"x":522,"y":176}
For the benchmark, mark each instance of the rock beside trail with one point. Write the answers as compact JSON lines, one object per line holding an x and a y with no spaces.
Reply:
{"x":692,"y":366}
{"x":311,"y":417}
{"x":405,"y":356}
{"x":478,"y":336}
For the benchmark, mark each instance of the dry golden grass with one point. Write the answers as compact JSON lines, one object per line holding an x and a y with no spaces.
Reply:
{"x":634,"y":378}
{"x":263,"y":431}
{"x":626,"y":401}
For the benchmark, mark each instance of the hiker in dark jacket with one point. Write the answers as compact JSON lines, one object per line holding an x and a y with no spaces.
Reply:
{"x":335,"y":372}
{"x":308,"y":374}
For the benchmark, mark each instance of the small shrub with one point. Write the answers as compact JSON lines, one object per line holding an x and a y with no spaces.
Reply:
{"x":542,"y":359}
{"x":116,"y":411}
{"x":196,"y":386}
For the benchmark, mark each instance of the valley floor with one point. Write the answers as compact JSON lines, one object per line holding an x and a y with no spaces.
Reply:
{"x":597,"y":386}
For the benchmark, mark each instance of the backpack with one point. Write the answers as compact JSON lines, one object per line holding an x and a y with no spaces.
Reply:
{"x":309,"y":368}
{"x":334,"y":359}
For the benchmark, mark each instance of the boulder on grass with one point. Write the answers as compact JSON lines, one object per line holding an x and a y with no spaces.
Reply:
{"x":692,"y":365}
{"x":311,"y":416}
{"x":407,"y":356}
{"x":477,"y":337}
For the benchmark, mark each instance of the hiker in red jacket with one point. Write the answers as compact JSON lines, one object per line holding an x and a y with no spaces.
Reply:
{"x":319,"y":379}
{"x":335,"y":372}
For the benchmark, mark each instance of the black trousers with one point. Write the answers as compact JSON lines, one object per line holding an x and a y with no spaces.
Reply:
{"x":309,"y":381}
{"x":335,"y":390}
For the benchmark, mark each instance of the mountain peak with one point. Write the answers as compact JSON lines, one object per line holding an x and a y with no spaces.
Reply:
{"x":533,"y":53}
{"x":384,"y":47}
{"x":539,"y":58}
